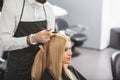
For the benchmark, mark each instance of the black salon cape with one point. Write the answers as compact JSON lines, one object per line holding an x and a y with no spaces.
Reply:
{"x":48,"y":76}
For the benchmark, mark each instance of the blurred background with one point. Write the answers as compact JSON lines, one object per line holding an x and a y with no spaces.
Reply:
{"x":101,"y":39}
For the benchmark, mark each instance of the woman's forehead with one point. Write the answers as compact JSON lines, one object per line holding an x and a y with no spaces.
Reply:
{"x":68,"y":43}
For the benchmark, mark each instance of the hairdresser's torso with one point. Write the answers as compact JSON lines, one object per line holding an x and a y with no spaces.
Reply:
{"x":33,"y":11}
{"x":21,"y":57}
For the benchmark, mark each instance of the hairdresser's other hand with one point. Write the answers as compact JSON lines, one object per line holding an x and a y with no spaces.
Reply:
{"x":42,"y":36}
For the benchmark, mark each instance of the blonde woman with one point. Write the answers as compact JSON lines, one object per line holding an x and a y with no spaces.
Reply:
{"x":52,"y":60}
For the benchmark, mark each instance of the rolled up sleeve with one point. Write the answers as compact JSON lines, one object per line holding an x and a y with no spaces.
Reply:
{"x":7,"y":29}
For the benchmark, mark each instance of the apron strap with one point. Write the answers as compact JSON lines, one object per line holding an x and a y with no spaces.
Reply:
{"x":45,"y":12}
{"x":22,"y":11}
{"x":20,"y":16}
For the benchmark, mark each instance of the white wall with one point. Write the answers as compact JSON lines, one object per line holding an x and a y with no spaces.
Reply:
{"x":105,"y":24}
{"x":115,"y":12}
{"x":87,"y":13}
{"x":98,"y":15}
{"x":110,"y":19}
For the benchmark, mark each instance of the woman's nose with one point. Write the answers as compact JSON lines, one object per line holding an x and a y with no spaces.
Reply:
{"x":70,"y":52}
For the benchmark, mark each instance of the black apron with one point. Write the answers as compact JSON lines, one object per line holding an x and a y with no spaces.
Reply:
{"x":20,"y":61}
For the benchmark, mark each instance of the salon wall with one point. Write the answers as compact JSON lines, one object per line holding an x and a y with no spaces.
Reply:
{"x":110,"y":19}
{"x":87,"y":13}
{"x":99,"y":16}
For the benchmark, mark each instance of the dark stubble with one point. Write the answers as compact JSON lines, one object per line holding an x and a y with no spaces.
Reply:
{"x":41,"y":1}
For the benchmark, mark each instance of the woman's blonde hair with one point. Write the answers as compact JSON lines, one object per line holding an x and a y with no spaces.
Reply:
{"x":50,"y":56}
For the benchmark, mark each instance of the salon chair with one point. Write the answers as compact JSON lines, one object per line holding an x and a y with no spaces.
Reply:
{"x":3,"y":64}
{"x":115,"y":65}
{"x":74,"y":31}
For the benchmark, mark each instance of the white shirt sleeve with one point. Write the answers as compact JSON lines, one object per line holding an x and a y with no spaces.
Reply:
{"x":7,"y":26}
{"x":10,"y":18}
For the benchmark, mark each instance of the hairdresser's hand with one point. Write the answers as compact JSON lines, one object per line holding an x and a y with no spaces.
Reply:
{"x":42,"y":36}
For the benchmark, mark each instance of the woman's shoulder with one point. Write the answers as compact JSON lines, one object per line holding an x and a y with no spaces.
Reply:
{"x":76,"y":73}
{"x":71,"y":67}
{"x":47,"y":75}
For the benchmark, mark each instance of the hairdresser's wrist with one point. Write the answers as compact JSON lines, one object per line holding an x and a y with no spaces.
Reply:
{"x":28,"y":40}
{"x":32,"y":39}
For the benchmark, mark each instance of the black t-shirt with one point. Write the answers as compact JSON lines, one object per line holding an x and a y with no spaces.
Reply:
{"x":48,"y":76}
